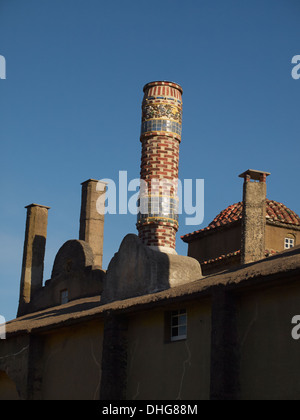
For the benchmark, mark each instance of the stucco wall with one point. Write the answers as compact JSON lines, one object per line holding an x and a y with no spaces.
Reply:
{"x":221,"y":242}
{"x":8,"y":390}
{"x":239,"y":342}
{"x":217,"y":243}
{"x":269,"y":357}
{"x":169,"y":370}
{"x":14,"y":355}
{"x":275,"y":237}
{"x":72,"y":363}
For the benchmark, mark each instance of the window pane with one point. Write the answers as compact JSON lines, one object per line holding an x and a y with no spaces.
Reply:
{"x":64,"y":296}
{"x":175,"y":332}
{"x":182,"y":331}
{"x":178,"y":324}
{"x":289,"y":243}
{"x":175,"y":322}
{"x":182,"y":320}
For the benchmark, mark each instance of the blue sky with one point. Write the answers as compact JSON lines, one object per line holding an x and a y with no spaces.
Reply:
{"x":70,"y":107}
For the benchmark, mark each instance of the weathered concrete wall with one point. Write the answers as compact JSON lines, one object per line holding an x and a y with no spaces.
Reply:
{"x":221,"y":265}
{"x":216,"y":243}
{"x":114,"y":358}
{"x":169,"y":370}
{"x":72,"y":363}
{"x":33,"y":254}
{"x":137,"y":270}
{"x":269,"y":357}
{"x":222,"y":242}
{"x":8,"y":389}
{"x":91,"y":227}
{"x":14,"y":362}
{"x":239,"y":343}
{"x":74,"y":271}
{"x":224,"y":350}
{"x":254,"y":221}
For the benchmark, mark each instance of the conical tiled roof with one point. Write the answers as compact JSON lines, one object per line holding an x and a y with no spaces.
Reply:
{"x":276,"y":213}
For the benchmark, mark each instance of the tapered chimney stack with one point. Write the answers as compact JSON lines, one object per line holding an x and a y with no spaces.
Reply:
{"x":34,"y":253}
{"x":254,"y":216}
{"x":92,"y":218}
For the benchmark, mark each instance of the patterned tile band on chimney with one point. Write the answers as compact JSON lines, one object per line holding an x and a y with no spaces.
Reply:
{"x":160,"y":137}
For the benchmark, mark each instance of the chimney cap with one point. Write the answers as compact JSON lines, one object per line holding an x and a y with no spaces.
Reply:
{"x":93,"y":180}
{"x":256,"y":175}
{"x":37,"y":205}
{"x":163,"y":83}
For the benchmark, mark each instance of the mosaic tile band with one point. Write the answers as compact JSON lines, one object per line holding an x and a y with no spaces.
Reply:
{"x":166,"y":126}
{"x":161,"y":129}
{"x":158,"y":207}
{"x":162,"y":109}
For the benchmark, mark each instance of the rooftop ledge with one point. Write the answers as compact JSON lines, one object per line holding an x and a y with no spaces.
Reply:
{"x":265,"y":272}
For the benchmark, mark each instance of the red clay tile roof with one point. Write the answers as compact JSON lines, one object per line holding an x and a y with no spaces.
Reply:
{"x":221,"y":257}
{"x":268,"y":253}
{"x":276,"y":212}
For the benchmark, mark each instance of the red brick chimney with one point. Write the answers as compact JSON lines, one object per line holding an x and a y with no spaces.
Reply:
{"x":160,"y":137}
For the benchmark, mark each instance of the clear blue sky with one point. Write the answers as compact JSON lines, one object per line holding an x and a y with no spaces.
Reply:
{"x":70,"y":107}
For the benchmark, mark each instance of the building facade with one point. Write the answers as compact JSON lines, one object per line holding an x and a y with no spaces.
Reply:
{"x":157,"y":325}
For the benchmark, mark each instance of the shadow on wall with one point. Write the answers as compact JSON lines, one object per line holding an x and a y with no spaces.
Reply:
{"x":73,"y":271}
{"x":37,"y":262}
{"x":137,"y":270}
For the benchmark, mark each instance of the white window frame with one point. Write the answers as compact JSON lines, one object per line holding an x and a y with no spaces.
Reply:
{"x":289,"y":243}
{"x":178,"y":320}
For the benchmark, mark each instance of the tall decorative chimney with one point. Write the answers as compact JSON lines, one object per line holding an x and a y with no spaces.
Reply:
{"x":34,"y":253}
{"x":160,"y":137}
{"x":254,"y":216}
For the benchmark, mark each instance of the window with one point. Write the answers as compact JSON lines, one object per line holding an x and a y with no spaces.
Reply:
{"x":178,"y":325}
{"x":64,"y":296}
{"x":289,"y":243}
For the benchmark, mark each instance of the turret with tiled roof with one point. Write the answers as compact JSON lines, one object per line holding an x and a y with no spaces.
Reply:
{"x":240,"y":234}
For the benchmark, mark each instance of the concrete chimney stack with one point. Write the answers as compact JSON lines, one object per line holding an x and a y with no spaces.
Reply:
{"x":91,"y":221}
{"x":254,"y":216}
{"x":34,"y":253}
{"x":160,"y":137}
